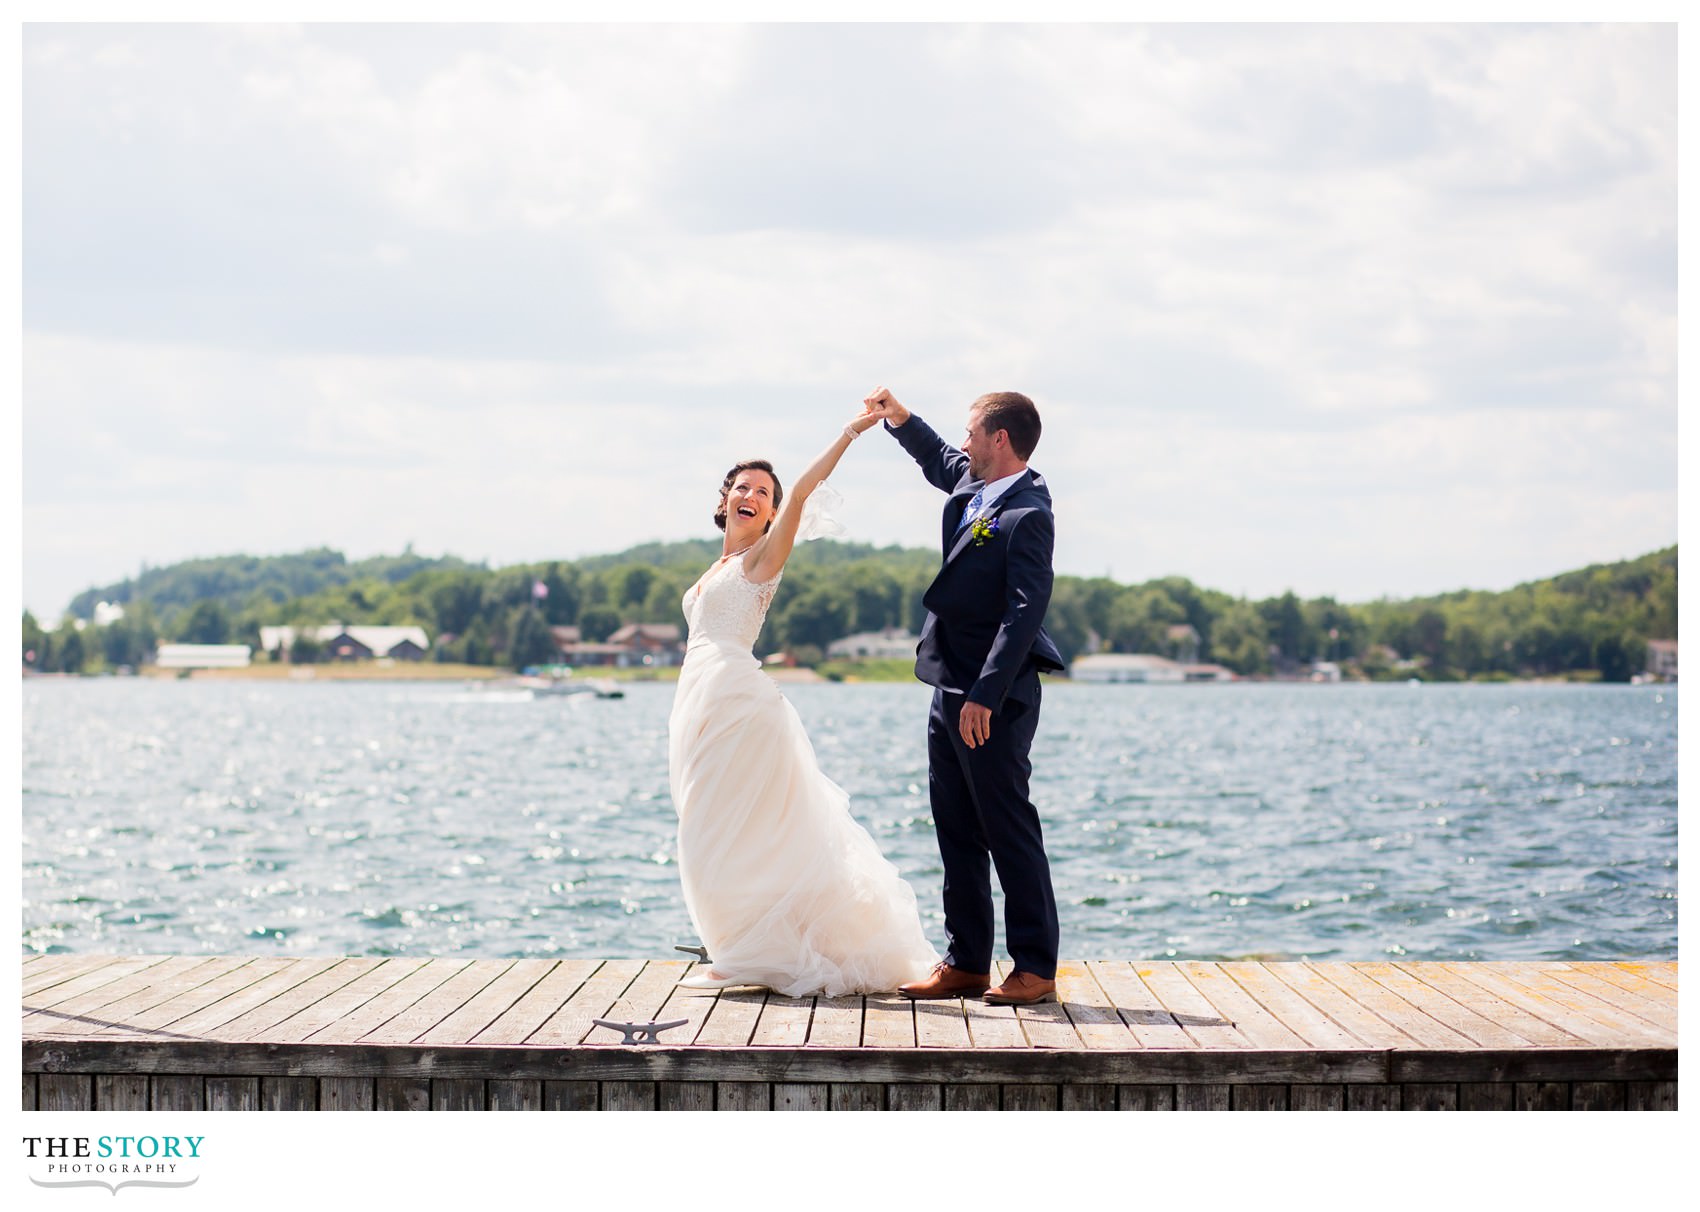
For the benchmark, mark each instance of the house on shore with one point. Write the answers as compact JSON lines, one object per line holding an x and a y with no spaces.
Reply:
{"x":1143,"y":667}
{"x":889,"y":644}
{"x":649,"y":644}
{"x":1661,"y":660}
{"x":577,"y":651}
{"x":358,"y":642}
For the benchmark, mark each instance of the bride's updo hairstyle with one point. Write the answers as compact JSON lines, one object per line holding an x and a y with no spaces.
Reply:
{"x":761,"y":465}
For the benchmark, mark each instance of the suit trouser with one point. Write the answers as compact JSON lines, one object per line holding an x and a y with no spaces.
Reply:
{"x":983,"y":819}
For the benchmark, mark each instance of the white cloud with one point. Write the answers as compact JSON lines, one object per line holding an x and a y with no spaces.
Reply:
{"x":1358,"y":309}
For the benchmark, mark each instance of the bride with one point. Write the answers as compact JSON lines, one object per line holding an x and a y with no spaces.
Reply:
{"x":785,"y":888}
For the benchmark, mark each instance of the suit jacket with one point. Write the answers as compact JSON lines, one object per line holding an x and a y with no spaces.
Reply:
{"x":984,"y":635}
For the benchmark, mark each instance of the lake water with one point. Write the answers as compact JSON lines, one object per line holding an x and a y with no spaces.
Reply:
{"x":1207,"y":822}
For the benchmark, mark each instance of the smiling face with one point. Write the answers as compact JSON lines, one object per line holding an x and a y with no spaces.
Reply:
{"x":749,"y":500}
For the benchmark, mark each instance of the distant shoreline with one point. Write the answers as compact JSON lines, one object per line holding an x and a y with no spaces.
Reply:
{"x":433,"y":672}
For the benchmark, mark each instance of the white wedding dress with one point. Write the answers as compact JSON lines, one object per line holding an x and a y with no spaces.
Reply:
{"x":785,"y":888}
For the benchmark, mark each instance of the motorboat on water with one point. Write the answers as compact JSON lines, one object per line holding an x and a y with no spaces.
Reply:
{"x":549,"y":686}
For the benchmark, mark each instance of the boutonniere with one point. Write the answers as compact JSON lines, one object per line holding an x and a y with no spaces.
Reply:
{"x":983,"y":530}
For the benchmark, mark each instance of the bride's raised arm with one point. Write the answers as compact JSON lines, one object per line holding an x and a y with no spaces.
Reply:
{"x":769,"y":554}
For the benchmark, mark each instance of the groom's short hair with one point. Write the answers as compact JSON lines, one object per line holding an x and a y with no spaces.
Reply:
{"x":1013,"y":413}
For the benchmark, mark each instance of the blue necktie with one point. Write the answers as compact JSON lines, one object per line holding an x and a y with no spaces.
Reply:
{"x":973,"y":509}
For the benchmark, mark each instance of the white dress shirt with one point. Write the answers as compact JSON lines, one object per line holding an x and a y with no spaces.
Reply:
{"x":989,"y":496}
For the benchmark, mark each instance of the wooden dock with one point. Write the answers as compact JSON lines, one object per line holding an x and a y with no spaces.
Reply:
{"x":175,"y":1032}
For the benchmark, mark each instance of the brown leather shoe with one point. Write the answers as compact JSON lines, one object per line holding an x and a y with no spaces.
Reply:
{"x":945,"y":981}
{"x":1022,"y":989}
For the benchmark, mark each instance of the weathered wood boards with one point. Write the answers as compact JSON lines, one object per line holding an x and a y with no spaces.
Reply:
{"x":233,"y":1032}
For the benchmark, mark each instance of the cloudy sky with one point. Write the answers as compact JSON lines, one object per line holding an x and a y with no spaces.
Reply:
{"x":1348,"y":310}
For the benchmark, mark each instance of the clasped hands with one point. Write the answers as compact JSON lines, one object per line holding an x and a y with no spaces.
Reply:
{"x":883,"y":406}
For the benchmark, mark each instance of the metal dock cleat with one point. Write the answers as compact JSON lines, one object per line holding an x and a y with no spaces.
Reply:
{"x":700,"y":952}
{"x":639,"y":1033}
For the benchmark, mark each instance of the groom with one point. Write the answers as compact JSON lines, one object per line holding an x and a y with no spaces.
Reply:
{"x":982,"y":649}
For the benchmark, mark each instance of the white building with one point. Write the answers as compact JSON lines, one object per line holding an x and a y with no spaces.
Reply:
{"x":893,"y":643}
{"x":204,"y":656}
{"x":1126,"y":667}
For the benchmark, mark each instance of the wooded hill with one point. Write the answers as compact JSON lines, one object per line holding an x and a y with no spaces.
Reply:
{"x":1594,"y":621}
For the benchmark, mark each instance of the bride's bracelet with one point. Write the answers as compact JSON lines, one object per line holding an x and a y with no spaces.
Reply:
{"x":851,"y":432}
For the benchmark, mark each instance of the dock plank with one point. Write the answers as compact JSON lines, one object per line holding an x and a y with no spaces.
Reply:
{"x":42,"y":961}
{"x":522,"y":1020}
{"x":941,"y":1024}
{"x":1090,"y":1010}
{"x":1561,"y":1006}
{"x":120,"y":1092}
{"x":383,"y":975}
{"x":233,"y":1093}
{"x":1634,"y":982}
{"x":1529,"y":1026}
{"x":1148,"y":1020}
{"x":730,"y":1020}
{"x":409,"y":1024}
{"x":205,"y":1022}
{"x":1483,"y":1032}
{"x":888,"y":1021}
{"x":239,"y":972}
{"x":1626,"y":1029}
{"x":784,"y":1022}
{"x":1358,"y":1020}
{"x":991,"y":1026}
{"x":89,"y":989}
{"x":57,"y":969}
{"x":106,"y":1005}
{"x":1205,"y":1026}
{"x":1662,"y":971}
{"x":161,"y":988}
{"x":837,"y":1022}
{"x":1232,"y":1002}
{"x":1287,"y":1006}
{"x":571,"y":1023}
{"x":256,"y":1023}
{"x":489,"y":1004}
{"x":643,"y":999}
{"x":802,"y":1096}
{"x":1410,"y":1020}
{"x":372,"y":1014}
{"x":1658,"y":1013}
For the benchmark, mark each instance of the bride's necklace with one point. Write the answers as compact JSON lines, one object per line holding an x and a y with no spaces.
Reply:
{"x":696,"y":590}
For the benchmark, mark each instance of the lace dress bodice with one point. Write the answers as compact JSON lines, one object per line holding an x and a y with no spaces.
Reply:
{"x":726,"y":607}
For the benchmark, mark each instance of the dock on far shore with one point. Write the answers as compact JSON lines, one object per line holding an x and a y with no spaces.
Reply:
{"x":199,"y":1032}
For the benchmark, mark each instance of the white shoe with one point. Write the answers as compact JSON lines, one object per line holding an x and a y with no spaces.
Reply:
{"x":710,"y":981}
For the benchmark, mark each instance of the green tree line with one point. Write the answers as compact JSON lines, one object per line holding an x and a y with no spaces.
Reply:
{"x":1595,"y":621}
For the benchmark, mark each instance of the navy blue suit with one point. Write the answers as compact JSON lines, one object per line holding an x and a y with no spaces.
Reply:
{"x":984,"y":640}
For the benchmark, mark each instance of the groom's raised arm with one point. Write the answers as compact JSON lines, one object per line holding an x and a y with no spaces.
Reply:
{"x":942,"y":464}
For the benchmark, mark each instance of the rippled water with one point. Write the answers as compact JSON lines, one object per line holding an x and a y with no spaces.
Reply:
{"x":1330,"y":822}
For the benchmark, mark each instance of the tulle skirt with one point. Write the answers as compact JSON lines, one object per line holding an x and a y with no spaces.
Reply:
{"x":785,"y":888}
